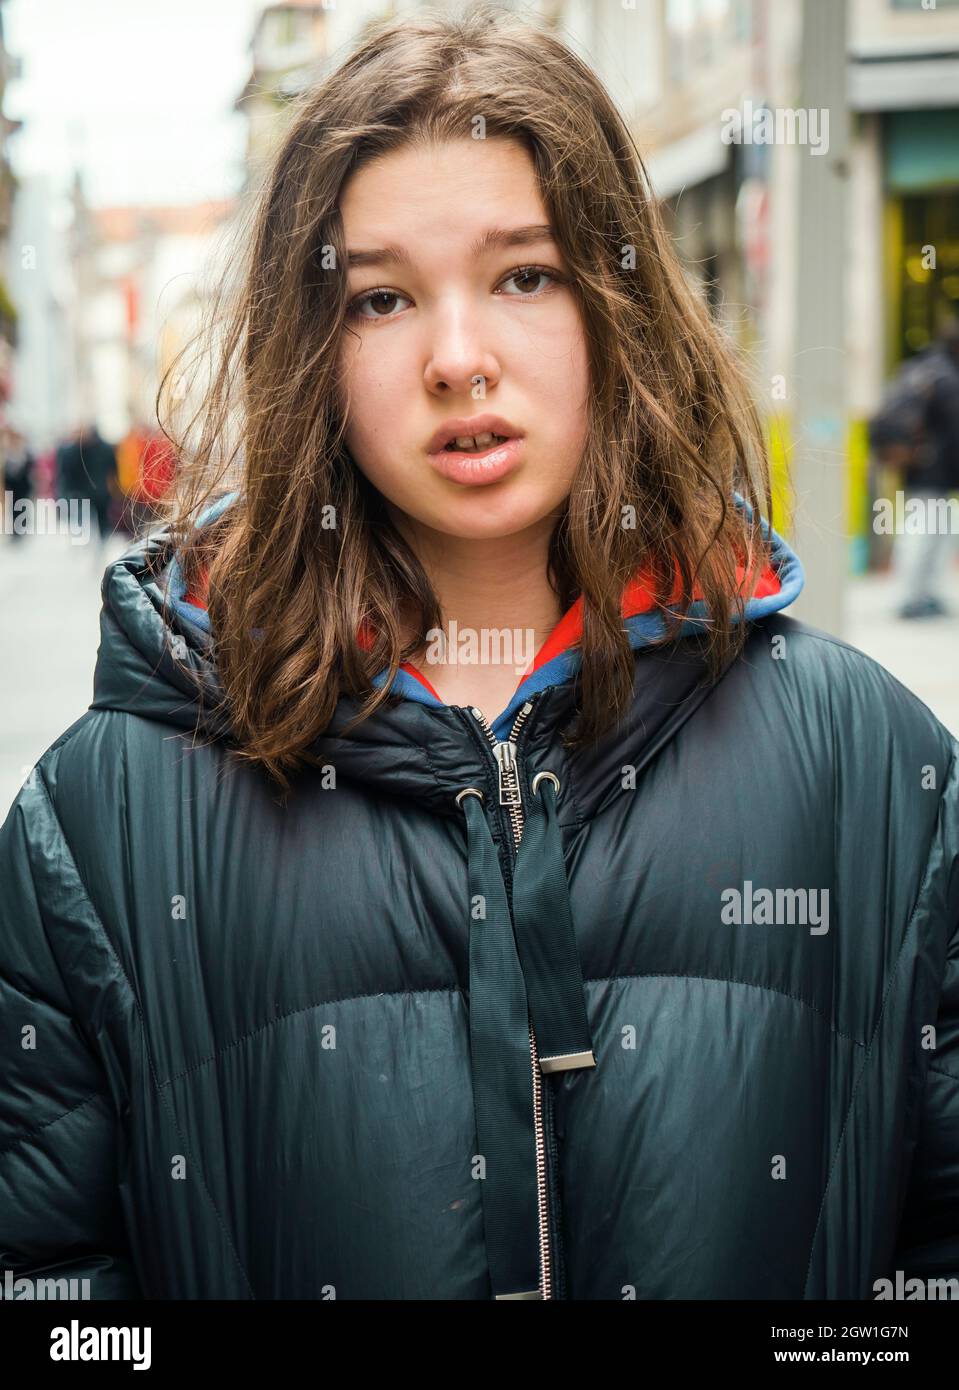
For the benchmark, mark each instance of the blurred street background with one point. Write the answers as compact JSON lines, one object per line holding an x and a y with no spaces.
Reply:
{"x":806,"y":155}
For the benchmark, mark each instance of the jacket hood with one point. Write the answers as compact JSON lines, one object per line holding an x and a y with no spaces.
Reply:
{"x":136,"y":670}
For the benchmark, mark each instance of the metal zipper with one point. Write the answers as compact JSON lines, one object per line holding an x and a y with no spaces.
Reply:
{"x":510,"y":796}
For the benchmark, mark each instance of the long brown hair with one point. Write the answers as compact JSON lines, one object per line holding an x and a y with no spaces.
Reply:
{"x":673,"y":428}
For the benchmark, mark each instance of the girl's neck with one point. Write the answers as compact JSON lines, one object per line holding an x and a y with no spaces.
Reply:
{"x":497,"y":610}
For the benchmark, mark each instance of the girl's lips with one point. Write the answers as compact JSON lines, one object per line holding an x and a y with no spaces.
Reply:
{"x":477,"y":467}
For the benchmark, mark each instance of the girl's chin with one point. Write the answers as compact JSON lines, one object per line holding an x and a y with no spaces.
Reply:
{"x":474,"y":522}
{"x":479,"y":514}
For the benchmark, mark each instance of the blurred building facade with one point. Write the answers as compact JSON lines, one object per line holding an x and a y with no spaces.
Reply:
{"x":289,"y":46}
{"x":144,"y":276}
{"x":677,"y":67}
{"x":42,"y":285}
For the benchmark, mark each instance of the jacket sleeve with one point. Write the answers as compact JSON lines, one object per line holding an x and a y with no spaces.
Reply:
{"x":928,"y":1239}
{"x":60,"y":1215}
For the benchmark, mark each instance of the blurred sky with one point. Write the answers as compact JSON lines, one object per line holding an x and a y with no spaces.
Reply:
{"x":139,"y":93}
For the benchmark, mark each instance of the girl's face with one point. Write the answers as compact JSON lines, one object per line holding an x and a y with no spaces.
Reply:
{"x":450,"y":329}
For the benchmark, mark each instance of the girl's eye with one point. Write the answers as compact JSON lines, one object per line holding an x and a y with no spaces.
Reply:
{"x":527,"y":273}
{"x":377,"y":297}
{"x":383,"y":301}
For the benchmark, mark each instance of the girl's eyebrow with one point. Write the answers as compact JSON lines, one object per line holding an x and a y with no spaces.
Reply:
{"x":493,"y":239}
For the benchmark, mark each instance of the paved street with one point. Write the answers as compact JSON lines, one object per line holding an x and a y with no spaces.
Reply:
{"x":49,"y":631}
{"x":923,"y":654}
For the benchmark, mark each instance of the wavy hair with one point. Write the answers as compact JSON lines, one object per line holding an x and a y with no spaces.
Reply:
{"x":673,"y":427}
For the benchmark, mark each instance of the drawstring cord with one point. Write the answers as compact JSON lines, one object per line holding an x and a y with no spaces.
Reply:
{"x":521,"y":969}
{"x":547,"y":941}
{"x":500,"y":1057}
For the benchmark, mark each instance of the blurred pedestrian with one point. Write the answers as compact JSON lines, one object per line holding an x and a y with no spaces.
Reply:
{"x":130,"y":454}
{"x":146,"y":466}
{"x":45,"y":476}
{"x":157,"y":471}
{"x":18,"y":474}
{"x":917,"y":429}
{"x":88,"y":470}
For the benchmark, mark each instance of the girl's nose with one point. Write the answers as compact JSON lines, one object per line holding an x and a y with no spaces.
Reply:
{"x":462,"y":355}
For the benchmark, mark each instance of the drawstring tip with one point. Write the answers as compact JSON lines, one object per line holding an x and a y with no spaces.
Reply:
{"x":569,"y":1061}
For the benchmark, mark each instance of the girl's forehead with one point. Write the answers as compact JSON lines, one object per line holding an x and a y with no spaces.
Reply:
{"x":416,"y":201}
{"x":496,"y":164}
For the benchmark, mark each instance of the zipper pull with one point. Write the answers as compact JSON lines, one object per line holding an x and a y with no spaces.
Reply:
{"x":509,"y":793}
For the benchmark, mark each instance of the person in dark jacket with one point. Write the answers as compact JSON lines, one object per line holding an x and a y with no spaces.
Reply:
{"x":920,"y":418}
{"x":88,"y":471}
{"x":459,"y":887}
{"x":923,"y":557}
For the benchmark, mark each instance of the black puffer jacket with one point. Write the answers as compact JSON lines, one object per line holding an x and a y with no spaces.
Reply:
{"x":699,"y":1038}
